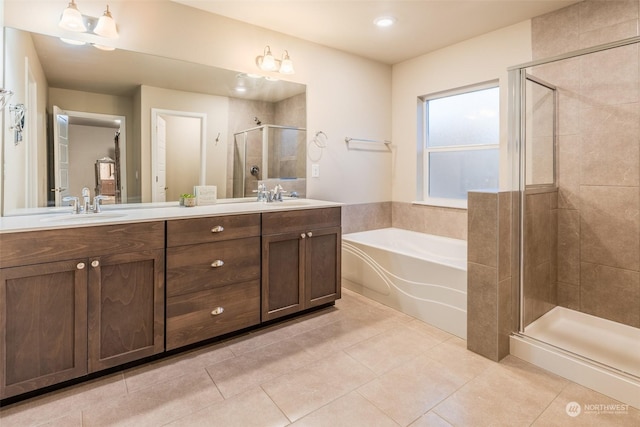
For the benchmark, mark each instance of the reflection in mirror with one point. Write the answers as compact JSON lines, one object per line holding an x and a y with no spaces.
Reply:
{"x":92,"y":89}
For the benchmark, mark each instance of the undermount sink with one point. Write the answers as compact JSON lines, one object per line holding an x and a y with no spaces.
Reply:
{"x":92,"y":217}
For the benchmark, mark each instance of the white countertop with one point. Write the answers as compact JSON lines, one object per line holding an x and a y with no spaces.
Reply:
{"x":55,"y":218}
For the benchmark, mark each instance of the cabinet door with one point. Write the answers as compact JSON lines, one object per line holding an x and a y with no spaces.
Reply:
{"x":322,"y":266}
{"x":43,"y":335}
{"x":126,"y":308}
{"x":282,"y":275}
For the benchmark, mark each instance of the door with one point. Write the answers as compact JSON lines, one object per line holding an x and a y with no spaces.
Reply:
{"x":160,"y":179}
{"x":322,"y":267}
{"x":282,"y":275}
{"x":125,"y":308}
{"x":43,"y":333}
{"x":60,"y":155}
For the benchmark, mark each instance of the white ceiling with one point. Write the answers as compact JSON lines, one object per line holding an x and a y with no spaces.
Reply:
{"x":422,"y":25}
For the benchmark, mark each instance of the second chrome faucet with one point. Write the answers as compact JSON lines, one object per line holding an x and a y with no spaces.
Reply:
{"x":86,"y":206}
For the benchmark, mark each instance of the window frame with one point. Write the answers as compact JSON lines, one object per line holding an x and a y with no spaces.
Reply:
{"x":424,"y":150}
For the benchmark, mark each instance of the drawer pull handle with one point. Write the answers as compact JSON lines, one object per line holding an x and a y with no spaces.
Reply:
{"x":217,"y":263}
{"x":217,"y":311}
{"x":95,"y":263}
{"x":217,"y":229}
{"x":302,"y":235}
{"x":80,"y":266}
{"x":309,"y":234}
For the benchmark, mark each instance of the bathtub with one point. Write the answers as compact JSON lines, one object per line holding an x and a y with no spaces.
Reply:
{"x":422,"y":275}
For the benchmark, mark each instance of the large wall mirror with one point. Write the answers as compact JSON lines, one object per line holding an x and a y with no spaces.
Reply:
{"x":142,"y":128}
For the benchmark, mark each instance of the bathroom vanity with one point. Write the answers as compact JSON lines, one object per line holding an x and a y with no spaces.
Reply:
{"x":81,"y":295}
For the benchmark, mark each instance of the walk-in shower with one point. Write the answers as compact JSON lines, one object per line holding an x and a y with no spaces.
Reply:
{"x":269,"y":153}
{"x":576,"y":136}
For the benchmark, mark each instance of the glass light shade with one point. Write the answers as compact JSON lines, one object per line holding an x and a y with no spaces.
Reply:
{"x":71,"y":19}
{"x":268,"y":62}
{"x":73,"y":42}
{"x":103,"y":47}
{"x":106,"y":26}
{"x":286,"y":66}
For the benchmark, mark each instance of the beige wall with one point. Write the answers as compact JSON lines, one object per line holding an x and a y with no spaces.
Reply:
{"x":216,"y":109}
{"x":183,"y":146}
{"x":346,"y":95}
{"x":478,"y":60}
{"x":21,"y":52}
{"x":481,"y":59}
{"x":87,"y":144}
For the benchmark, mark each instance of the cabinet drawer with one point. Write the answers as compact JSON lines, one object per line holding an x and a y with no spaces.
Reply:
{"x":35,"y":247}
{"x":212,"y":229}
{"x":202,"y":315}
{"x":209,"y":265}
{"x":287,"y":221}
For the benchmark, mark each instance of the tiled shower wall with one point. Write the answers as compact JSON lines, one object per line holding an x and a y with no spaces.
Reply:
{"x":598,"y":216}
{"x":242,"y":115}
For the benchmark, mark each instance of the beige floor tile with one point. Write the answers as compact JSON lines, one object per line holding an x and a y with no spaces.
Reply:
{"x":596,"y":410}
{"x":132,"y":410}
{"x":300,"y":392}
{"x":155,"y":372}
{"x":507,"y":394}
{"x":262,"y":338}
{"x":350,"y":410}
{"x":206,"y":355}
{"x":409,"y":391}
{"x":248,"y":409}
{"x":251,"y":369}
{"x":72,"y":420}
{"x":454,"y":355}
{"x":188,"y":393}
{"x":339,"y":335}
{"x":430,"y":419}
{"x":59,"y":404}
{"x":392,"y":348}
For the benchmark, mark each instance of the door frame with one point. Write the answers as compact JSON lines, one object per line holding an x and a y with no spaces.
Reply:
{"x":155,"y":112}
{"x":122,"y":140}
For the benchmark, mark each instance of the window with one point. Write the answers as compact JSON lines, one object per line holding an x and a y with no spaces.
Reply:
{"x":460,"y":144}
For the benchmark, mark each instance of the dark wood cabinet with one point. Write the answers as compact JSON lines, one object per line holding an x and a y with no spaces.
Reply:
{"x":213,"y":277}
{"x":300,"y":260}
{"x":85,"y":299}
{"x":43,"y":325}
{"x":125,"y":308}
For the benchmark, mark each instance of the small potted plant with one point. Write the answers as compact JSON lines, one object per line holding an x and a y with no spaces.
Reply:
{"x":187,"y":200}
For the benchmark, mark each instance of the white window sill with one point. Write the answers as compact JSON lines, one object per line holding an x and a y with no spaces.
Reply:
{"x":443,"y":203}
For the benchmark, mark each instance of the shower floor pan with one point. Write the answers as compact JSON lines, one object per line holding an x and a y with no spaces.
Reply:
{"x":566,"y":342}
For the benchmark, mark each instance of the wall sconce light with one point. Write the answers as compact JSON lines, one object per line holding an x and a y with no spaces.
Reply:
{"x":73,"y":20}
{"x":106,"y":26}
{"x":267,"y":62}
{"x":17,"y":121}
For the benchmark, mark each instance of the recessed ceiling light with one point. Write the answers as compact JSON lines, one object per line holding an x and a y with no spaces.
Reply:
{"x":384,"y":21}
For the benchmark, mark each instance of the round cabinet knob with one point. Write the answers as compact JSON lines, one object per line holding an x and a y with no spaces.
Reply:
{"x":217,"y":229}
{"x":309,"y":234}
{"x":302,"y":235}
{"x":80,"y":266}
{"x":217,"y":263}
{"x":217,"y":311}
{"x":95,"y":263}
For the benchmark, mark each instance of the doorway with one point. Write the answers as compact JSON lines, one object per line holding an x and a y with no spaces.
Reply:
{"x":178,"y":153}
{"x":80,"y":139}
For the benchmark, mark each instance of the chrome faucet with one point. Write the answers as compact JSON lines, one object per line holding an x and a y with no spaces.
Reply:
{"x":86,"y":196}
{"x":97,"y":203}
{"x":75,"y":207}
{"x":262,"y":192}
{"x":86,"y":206}
{"x":275,"y":195}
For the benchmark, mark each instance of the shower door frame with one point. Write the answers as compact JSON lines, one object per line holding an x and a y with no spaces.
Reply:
{"x":517,"y":148}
